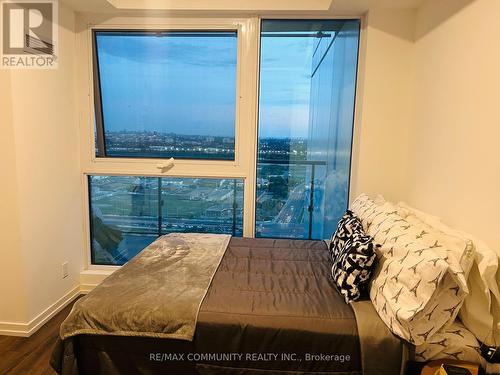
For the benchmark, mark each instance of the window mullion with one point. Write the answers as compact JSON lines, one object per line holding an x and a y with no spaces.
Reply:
{"x":248,"y":118}
{"x":99,"y":121}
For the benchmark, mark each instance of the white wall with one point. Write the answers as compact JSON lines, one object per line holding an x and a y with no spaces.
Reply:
{"x":12,"y":283}
{"x":41,"y":205}
{"x":427,"y":122}
{"x":384,"y":106}
{"x":454,"y":162}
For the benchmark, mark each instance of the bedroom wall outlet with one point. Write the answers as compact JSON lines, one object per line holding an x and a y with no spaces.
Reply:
{"x":64,"y":270}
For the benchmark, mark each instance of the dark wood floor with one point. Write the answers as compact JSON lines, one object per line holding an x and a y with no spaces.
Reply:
{"x":30,"y":355}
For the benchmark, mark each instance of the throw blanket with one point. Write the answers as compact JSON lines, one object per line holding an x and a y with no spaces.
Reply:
{"x":156,"y":294}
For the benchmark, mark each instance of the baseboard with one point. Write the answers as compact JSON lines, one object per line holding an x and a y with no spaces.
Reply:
{"x":27,"y":329}
{"x":85,"y":288}
{"x":89,"y":279}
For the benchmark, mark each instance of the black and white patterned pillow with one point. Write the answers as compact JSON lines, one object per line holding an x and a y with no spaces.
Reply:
{"x":353,"y":266}
{"x":347,"y":226}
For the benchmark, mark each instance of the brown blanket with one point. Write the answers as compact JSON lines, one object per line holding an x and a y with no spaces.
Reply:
{"x":156,"y":294}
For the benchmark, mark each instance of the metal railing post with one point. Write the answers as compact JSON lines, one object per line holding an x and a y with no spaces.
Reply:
{"x":311,"y":200}
{"x":313,"y":164}
{"x":160,"y":205}
{"x":235,"y":206}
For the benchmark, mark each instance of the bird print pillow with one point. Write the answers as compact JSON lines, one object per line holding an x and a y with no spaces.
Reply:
{"x":454,"y":342}
{"x":420,"y":284}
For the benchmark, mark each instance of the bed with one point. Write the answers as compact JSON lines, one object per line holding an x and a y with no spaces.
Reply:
{"x":271,"y":308}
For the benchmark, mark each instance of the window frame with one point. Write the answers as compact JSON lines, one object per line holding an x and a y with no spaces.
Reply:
{"x":97,"y":89}
{"x":238,"y":25}
{"x":360,"y":61}
{"x":243,"y":166}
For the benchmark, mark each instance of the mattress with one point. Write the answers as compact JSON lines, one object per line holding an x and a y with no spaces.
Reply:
{"x":271,"y":308}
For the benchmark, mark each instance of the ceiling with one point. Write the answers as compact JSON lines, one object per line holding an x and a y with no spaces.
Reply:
{"x":334,"y":7}
{"x":359,"y":7}
{"x":225,"y":5}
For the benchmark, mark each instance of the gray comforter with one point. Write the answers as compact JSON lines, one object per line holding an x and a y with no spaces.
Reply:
{"x":267,"y":296}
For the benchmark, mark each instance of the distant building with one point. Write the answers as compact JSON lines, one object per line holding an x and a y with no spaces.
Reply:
{"x":220,"y":211}
{"x":219,"y":195}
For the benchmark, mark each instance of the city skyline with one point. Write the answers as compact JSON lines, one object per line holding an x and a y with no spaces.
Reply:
{"x":199,"y":134}
{"x":155,"y":144}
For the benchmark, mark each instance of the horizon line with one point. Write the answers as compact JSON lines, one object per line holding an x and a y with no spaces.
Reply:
{"x":194,"y":135}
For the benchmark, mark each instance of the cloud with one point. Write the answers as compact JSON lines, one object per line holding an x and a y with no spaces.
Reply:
{"x":278,"y":121}
{"x":202,"y":51}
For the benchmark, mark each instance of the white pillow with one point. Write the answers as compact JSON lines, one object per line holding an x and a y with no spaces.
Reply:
{"x":454,"y":342}
{"x":420,"y":284}
{"x":480,"y":312}
{"x":368,"y":209}
{"x":462,"y":248}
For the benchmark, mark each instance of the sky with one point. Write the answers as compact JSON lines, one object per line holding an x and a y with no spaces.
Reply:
{"x":187,"y":84}
{"x":184,"y":85}
{"x":285,"y":82}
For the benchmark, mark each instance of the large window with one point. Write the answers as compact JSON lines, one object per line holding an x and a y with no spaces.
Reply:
{"x":257,"y":114}
{"x":127,"y":213}
{"x":165,"y":94}
{"x":307,"y":89}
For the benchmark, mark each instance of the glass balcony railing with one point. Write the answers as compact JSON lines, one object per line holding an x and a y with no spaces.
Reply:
{"x":127,"y":213}
{"x":289,"y":195}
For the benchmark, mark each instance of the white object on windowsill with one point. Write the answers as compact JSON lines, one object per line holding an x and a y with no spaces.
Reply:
{"x":166,"y":164}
